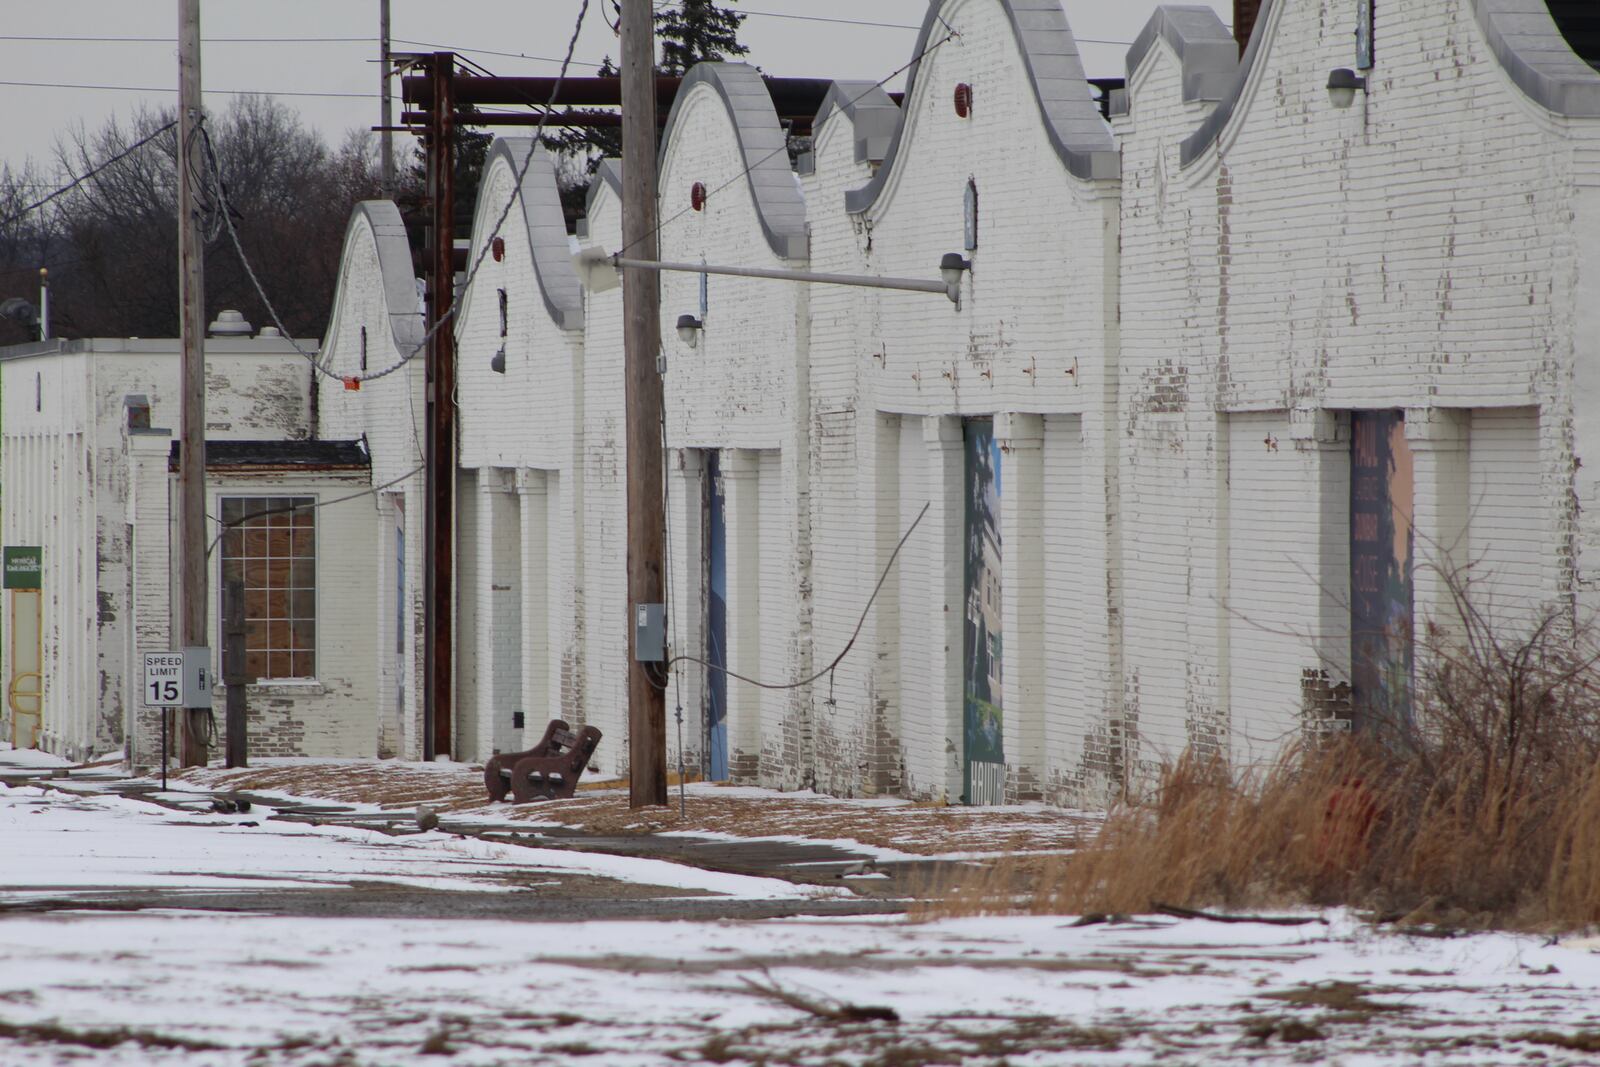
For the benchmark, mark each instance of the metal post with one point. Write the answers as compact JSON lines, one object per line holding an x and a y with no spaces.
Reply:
{"x":192,"y":329}
{"x":234,"y":675}
{"x":440,"y":446}
{"x":44,"y":304}
{"x":386,"y":110}
{"x":641,"y":310}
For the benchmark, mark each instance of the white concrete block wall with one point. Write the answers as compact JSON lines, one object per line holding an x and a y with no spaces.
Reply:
{"x":1415,"y":252}
{"x":376,"y":323}
{"x":604,"y":656}
{"x":1510,"y":513}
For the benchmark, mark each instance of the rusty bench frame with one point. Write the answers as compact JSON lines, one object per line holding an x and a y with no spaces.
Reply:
{"x":548,"y":771}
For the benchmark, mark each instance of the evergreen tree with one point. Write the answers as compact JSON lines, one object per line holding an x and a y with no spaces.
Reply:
{"x":693,"y":32}
{"x":698,"y":30}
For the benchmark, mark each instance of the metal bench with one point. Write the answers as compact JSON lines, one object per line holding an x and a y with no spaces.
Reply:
{"x":547,"y":771}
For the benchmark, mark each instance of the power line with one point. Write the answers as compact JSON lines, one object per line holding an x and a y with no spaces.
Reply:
{"x":174,"y":40}
{"x":119,"y":157}
{"x":173,"y":89}
{"x":466,"y":286}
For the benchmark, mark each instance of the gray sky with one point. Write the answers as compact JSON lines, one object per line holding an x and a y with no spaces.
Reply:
{"x":33,"y":116}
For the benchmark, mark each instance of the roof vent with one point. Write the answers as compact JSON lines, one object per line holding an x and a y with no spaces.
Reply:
{"x":230,"y":323}
{"x":270,"y":331}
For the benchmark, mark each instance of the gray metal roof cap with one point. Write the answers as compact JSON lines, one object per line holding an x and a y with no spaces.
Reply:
{"x":761,"y":144}
{"x":395,"y":271}
{"x":1204,"y":46}
{"x":871,"y":111}
{"x":546,"y":227}
{"x":609,"y":171}
{"x":1078,"y":134}
{"x":1538,"y":58}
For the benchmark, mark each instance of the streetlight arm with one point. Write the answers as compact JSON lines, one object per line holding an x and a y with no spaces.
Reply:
{"x":869,"y":281}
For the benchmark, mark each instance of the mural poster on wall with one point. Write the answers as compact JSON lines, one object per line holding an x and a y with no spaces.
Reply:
{"x":982,"y":633}
{"x":1381,"y":547}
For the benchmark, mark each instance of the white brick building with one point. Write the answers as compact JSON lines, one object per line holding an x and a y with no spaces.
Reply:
{"x":1229,"y":377}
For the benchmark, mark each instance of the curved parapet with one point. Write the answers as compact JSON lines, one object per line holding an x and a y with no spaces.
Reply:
{"x":398,"y":280}
{"x":546,"y":227}
{"x":1538,"y":58}
{"x":761,"y":142}
{"x":870,"y":110}
{"x":609,"y":172}
{"x":1204,"y":46}
{"x":1060,"y":88}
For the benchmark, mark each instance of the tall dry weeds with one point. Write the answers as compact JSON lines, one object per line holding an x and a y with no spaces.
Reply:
{"x":1483,"y":809}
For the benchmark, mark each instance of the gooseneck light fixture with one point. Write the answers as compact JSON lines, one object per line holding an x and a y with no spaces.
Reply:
{"x":951,"y":268}
{"x":1342,"y":85}
{"x":689,"y":329}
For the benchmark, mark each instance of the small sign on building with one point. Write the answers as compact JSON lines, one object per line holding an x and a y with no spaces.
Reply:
{"x":24,"y":567}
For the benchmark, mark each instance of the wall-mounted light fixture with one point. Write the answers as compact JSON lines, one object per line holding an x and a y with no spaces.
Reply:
{"x":1342,"y":85}
{"x":689,"y":329}
{"x":497,"y":362}
{"x":951,"y":268}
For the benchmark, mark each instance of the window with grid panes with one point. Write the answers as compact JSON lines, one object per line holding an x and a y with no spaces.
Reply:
{"x":269,"y":543}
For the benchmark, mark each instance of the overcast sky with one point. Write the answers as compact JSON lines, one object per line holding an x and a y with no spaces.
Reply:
{"x":339,"y":59}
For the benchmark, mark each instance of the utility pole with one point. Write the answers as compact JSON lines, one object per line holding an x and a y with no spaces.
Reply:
{"x":192,"y":594}
{"x":386,"y":113}
{"x":641,"y":312}
{"x":440,"y":444}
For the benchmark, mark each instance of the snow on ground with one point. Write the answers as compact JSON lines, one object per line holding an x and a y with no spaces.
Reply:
{"x":55,"y":843}
{"x":217,"y":990}
{"x":246,"y":990}
{"x":29,"y":758}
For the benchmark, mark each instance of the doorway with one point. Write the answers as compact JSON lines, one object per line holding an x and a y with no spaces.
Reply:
{"x":25,"y":687}
{"x":1381,"y":545}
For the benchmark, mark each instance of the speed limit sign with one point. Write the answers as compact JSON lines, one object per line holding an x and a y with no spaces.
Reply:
{"x":163,"y":679}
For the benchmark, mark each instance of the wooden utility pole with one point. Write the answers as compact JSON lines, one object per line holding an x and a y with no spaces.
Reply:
{"x":234,"y":676}
{"x":440,"y":444}
{"x":641,"y":311}
{"x":192,"y":593}
{"x":386,"y":110}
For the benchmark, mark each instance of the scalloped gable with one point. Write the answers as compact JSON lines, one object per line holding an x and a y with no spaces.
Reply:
{"x":1521,"y":34}
{"x":761,"y":143}
{"x":1206,"y":51}
{"x":1051,"y":60}
{"x":382,"y":219}
{"x":1538,"y":58}
{"x":546,"y":227}
{"x":871,"y":111}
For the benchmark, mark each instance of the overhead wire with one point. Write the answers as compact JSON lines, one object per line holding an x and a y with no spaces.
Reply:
{"x":848,"y":645}
{"x":472,"y":273}
{"x":287,"y":508}
{"x":173,"y":89}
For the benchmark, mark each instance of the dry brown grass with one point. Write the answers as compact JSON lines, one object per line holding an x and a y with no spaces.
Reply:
{"x":1484,"y":810}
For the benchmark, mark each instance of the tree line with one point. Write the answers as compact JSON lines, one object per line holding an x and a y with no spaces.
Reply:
{"x":111,"y":242}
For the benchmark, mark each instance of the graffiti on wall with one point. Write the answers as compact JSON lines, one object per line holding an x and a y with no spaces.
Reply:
{"x":1381,"y":546}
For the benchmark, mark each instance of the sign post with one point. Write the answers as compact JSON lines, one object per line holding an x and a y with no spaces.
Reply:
{"x":176,"y":680}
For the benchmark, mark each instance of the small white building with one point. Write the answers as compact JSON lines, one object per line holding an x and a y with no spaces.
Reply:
{"x":86,"y":452}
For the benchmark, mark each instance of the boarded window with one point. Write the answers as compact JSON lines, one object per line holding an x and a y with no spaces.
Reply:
{"x":269,"y":543}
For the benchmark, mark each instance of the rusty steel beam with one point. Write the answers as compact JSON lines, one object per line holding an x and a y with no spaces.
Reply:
{"x":791,"y":96}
